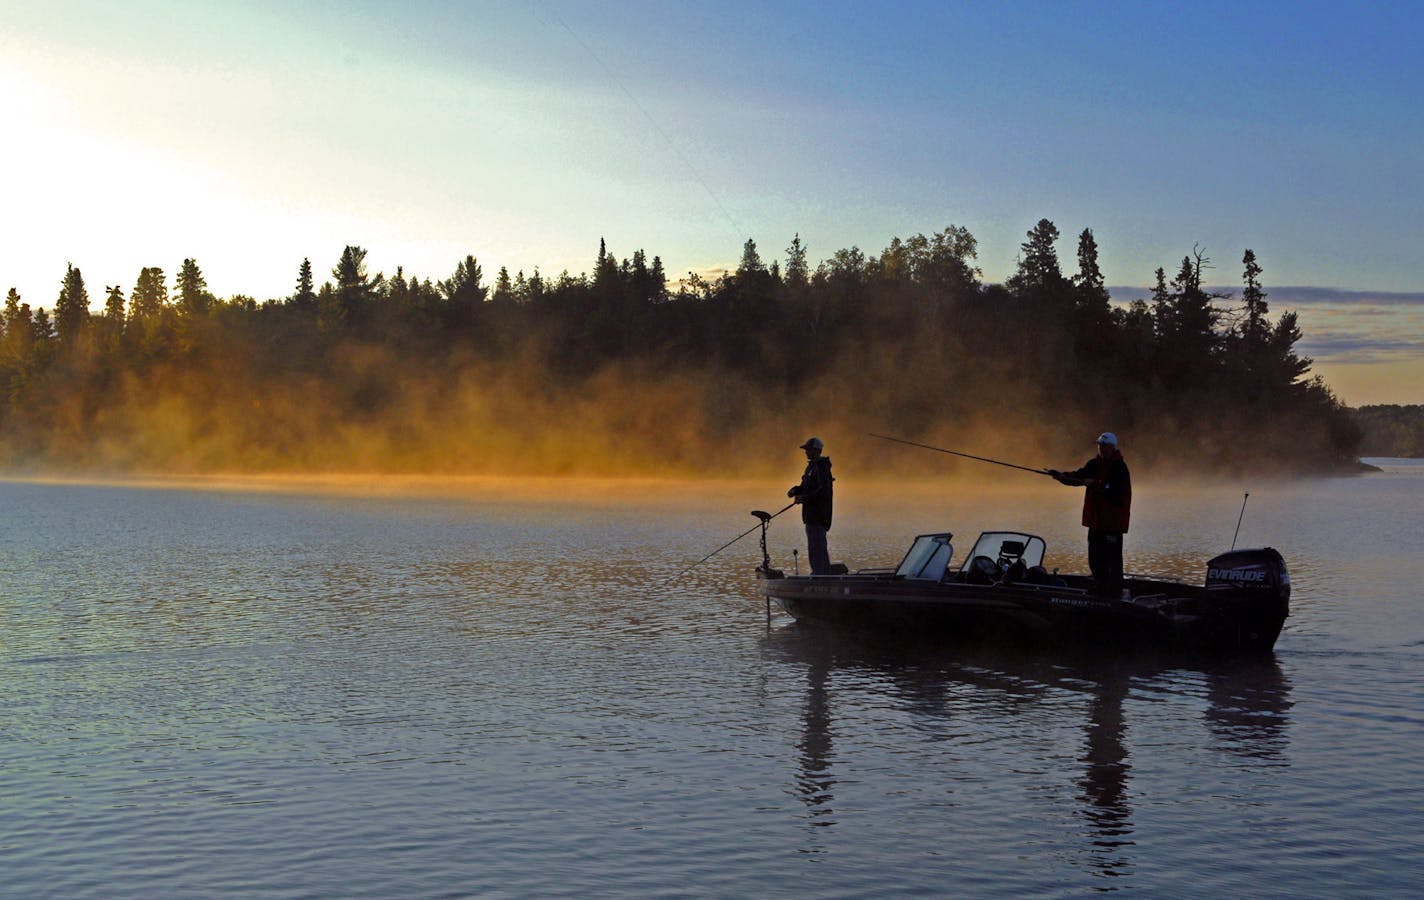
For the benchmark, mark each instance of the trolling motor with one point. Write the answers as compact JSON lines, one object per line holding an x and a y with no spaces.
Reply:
{"x":765,"y":569}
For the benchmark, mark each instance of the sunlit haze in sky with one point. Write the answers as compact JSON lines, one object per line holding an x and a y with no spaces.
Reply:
{"x":251,"y":135}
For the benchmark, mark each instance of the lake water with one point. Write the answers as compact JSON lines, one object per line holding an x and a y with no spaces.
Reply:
{"x":468,"y":692}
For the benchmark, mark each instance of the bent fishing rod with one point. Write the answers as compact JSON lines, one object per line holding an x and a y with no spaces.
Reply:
{"x":886,"y":437}
{"x":762,"y":519}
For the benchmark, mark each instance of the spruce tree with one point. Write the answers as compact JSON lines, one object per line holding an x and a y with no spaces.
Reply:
{"x":71,"y":311}
{"x":305,"y":296}
{"x":798,"y":273}
{"x":149,"y":296}
{"x":193,"y":296}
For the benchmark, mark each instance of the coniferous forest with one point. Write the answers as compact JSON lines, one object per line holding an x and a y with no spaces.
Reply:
{"x":614,"y":372}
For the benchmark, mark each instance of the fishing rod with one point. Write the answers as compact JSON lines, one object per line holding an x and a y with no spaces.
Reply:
{"x":762,"y":519}
{"x":996,"y":462}
{"x":1239,"y":518}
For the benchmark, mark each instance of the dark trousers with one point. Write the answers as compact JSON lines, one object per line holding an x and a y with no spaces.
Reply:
{"x":1105,"y":561}
{"x":816,"y":549}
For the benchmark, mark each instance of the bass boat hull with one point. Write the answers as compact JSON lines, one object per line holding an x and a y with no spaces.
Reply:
{"x":1241,"y":606}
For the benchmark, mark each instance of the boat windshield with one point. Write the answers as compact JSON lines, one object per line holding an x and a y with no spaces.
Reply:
{"x":928,"y":557}
{"x":1007,"y":548}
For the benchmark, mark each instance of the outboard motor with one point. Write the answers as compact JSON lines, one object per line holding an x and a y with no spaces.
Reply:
{"x":1256,"y":578}
{"x":1261,"y":569}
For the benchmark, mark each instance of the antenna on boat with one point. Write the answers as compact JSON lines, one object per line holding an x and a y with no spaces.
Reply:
{"x":1239,"y":518}
{"x":762,"y":519}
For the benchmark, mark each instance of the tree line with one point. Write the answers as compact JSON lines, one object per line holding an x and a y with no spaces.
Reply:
{"x":911,"y":336}
{"x":1391,"y":430}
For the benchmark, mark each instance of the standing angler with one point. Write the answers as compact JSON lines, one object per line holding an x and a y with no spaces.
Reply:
{"x":1107,"y":504}
{"x":814,"y":493}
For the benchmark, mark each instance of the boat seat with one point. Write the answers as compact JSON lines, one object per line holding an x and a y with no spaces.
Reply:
{"x":982,"y":570}
{"x":1015,"y":571}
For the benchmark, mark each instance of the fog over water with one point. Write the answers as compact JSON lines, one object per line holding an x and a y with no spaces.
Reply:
{"x":370,"y":687}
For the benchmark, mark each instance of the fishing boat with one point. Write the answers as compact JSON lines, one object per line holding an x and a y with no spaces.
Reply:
{"x":1001,"y":588}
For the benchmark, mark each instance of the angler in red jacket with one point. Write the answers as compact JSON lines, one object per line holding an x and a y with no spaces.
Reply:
{"x":1107,"y":505}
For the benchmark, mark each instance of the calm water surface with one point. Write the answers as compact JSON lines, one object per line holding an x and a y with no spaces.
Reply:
{"x":209,"y":692}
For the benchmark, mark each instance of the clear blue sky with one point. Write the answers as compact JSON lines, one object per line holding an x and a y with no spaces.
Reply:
{"x":251,"y":135}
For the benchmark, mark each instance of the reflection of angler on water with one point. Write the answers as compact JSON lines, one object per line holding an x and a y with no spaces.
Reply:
{"x":1247,"y":705}
{"x":1107,"y":766}
{"x":815,"y":780}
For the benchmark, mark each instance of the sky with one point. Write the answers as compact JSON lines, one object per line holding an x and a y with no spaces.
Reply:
{"x":251,"y":135}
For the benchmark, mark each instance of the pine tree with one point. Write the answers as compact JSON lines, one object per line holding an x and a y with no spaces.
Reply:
{"x":605,"y":270}
{"x":149,"y":296}
{"x":11,"y":317}
{"x":353,"y":291}
{"x":464,"y":287}
{"x":750,"y":263}
{"x":503,"y":287}
{"x":193,"y":296}
{"x":657,"y":280}
{"x":1254,"y":326}
{"x":1038,"y":274}
{"x":305,"y":296}
{"x":71,"y":311}
{"x":114,"y":305}
{"x":798,"y":274}
{"x":1092,"y":293}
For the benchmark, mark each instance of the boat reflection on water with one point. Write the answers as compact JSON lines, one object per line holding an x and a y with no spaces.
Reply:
{"x":977,"y":698}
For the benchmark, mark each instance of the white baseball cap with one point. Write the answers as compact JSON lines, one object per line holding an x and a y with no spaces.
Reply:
{"x":1107,"y":437}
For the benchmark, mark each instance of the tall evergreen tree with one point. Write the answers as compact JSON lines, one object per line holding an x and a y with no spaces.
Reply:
{"x":503,"y":287}
{"x":110,"y":326}
{"x":43,"y":326}
{"x":1038,"y":274}
{"x":1092,"y":292}
{"x":657,"y":281}
{"x":1254,"y":326}
{"x":11,"y":315}
{"x":465,"y":287}
{"x":352,"y":281}
{"x":305,"y":296}
{"x":1289,"y":367}
{"x":751,"y":260}
{"x":605,"y":270}
{"x":798,"y":273}
{"x":149,"y":296}
{"x":352,"y":292}
{"x":1192,"y":316}
{"x":71,"y":311}
{"x":114,"y":305}
{"x":193,"y":296}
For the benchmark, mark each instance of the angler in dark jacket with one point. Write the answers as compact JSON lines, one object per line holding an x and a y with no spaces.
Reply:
{"x":815,"y":494}
{"x":1107,"y":506}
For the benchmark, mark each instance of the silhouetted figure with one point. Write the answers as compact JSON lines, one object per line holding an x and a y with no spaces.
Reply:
{"x":814,"y":493}
{"x":1107,"y":504}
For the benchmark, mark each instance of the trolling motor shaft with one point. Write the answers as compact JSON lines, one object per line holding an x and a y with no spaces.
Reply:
{"x":765,"y":519}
